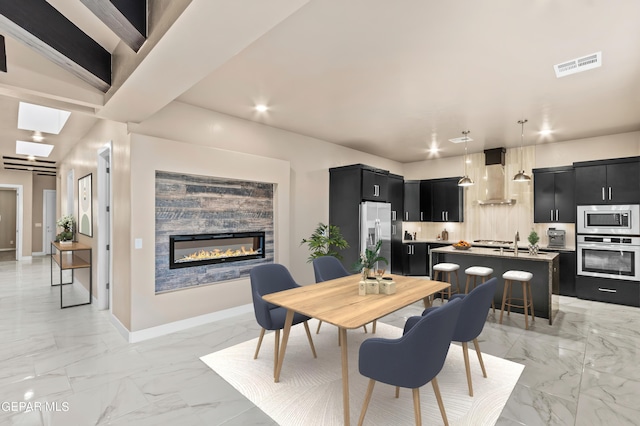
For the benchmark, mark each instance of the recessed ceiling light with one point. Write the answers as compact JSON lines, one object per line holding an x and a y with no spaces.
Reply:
{"x":31,"y":157}
{"x":433,"y":150}
{"x":545,"y":132}
{"x":41,"y":119}
{"x":261,"y":108}
{"x":32,"y":148}
{"x":37,"y":136}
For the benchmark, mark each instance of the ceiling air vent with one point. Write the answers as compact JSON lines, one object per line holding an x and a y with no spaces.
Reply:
{"x":461,"y":139}
{"x":573,"y":66}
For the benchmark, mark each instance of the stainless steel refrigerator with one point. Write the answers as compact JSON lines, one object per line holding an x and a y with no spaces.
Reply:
{"x":375,"y":225}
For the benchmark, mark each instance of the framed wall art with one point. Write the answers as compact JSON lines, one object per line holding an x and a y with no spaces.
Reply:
{"x":85,"y":206}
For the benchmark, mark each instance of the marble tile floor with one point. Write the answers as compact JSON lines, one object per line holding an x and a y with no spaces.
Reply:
{"x":583,"y":370}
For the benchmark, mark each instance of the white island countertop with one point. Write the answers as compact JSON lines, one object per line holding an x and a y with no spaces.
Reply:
{"x":523,"y":253}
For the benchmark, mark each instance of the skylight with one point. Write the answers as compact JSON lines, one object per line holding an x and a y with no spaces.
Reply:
{"x":41,"y":119}
{"x":32,"y":148}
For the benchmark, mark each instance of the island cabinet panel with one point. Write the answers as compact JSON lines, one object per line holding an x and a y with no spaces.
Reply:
{"x":544,"y":267}
{"x":608,"y":182}
{"x":553,"y":195}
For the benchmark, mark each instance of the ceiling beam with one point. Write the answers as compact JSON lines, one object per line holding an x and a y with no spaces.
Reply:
{"x":3,"y":55}
{"x":126,"y":18}
{"x":40,"y":26}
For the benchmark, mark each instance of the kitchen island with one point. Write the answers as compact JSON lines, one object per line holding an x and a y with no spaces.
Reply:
{"x":544,"y":267}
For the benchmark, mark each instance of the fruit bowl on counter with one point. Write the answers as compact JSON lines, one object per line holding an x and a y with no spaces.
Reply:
{"x":462,"y":245}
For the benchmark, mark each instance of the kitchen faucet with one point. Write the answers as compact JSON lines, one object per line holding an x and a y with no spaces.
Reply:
{"x":515,"y":243}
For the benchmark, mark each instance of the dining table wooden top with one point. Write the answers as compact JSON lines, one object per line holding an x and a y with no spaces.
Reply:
{"x":338,"y":302}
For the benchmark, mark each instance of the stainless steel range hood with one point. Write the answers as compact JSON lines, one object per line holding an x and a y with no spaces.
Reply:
{"x":496,"y":179}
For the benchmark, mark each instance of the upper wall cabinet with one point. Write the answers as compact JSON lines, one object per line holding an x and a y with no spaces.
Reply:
{"x":374,"y":185}
{"x":553,"y":195}
{"x":417,"y":201}
{"x":447,"y":200}
{"x":608,"y":182}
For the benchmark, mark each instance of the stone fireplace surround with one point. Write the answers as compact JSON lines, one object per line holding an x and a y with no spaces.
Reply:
{"x":192,"y":204}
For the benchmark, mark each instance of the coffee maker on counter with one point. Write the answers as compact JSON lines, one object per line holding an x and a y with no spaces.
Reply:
{"x":556,"y":238}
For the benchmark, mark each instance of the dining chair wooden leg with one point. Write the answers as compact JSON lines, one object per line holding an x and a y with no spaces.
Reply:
{"x":397,"y":391}
{"x":367,"y":398}
{"x":318,"y":329}
{"x":259,"y":343}
{"x":416,"y":406}
{"x":436,"y":391}
{"x":374,"y":326}
{"x":313,"y":348}
{"x":467,"y":367}
{"x":477,"y":345}
{"x":466,"y":287}
{"x":276,"y":353}
{"x":365,"y":328}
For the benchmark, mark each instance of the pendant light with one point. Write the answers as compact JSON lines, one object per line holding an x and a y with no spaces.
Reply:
{"x":521,"y":176}
{"x":465,"y":180}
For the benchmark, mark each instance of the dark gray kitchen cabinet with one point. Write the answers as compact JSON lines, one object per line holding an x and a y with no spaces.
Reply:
{"x":396,"y":198}
{"x":351,"y":185}
{"x":553,"y":195}
{"x":411,"y":201}
{"x":447,"y":200}
{"x":607,"y":182}
{"x":375,"y":185}
{"x":415,"y":259}
{"x":417,"y":201}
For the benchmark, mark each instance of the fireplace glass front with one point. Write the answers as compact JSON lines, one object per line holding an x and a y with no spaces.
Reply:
{"x":204,"y":249}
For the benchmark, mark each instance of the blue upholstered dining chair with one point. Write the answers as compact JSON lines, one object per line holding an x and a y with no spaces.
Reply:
{"x":473,"y":315}
{"x":327,"y":268}
{"x":412,"y":360}
{"x":271,"y":278}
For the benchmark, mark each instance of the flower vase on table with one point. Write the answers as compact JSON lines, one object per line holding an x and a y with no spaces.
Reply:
{"x":366,"y":265}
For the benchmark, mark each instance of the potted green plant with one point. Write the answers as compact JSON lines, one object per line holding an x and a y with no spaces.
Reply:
{"x":366,"y":264}
{"x":67,"y":224}
{"x":326,"y":240}
{"x":533,"y":242}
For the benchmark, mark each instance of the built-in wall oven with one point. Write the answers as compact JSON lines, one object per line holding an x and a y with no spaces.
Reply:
{"x":608,"y":219}
{"x":603,"y":256}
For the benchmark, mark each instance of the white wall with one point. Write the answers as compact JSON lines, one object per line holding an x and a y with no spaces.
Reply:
{"x":309,"y":159}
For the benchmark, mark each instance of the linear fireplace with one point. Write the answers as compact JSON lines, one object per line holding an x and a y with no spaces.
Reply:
{"x":204,"y":249}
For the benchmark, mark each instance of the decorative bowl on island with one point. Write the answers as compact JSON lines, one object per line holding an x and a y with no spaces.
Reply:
{"x":462,"y":245}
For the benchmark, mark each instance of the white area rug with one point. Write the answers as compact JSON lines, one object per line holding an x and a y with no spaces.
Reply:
{"x":310,"y":390}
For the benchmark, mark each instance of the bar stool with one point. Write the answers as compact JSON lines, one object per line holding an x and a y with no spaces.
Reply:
{"x":447,"y":268}
{"x":475,"y":272}
{"x":507,"y":300}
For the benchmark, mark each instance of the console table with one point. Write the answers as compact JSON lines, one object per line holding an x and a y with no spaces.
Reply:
{"x":66,"y":257}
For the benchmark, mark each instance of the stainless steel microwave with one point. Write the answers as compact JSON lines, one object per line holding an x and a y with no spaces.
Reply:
{"x":609,"y":219}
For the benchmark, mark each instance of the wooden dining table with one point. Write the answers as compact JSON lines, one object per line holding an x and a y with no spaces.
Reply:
{"x":338,"y":302}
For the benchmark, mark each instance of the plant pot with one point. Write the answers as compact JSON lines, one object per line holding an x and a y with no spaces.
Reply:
{"x":533,"y":250}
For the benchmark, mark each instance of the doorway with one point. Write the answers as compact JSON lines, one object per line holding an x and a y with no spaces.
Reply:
{"x":48,"y":219}
{"x":14,"y":232}
{"x":104,"y":227}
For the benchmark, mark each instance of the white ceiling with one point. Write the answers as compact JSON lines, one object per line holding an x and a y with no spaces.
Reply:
{"x":390,"y":78}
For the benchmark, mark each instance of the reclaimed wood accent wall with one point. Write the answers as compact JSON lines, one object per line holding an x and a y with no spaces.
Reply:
{"x":191,"y":204}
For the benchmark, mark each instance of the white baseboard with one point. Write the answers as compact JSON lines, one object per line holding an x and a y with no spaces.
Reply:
{"x":8,"y":249}
{"x":26,"y":258}
{"x":124,"y":332}
{"x":38,"y":253}
{"x":172,"y":327}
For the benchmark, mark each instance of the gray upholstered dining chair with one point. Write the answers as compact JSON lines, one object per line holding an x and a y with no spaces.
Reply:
{"x":329,"y":268}
{"x":414,"y":359}
{"x":271,"y":278}
{"x":473,"y":315}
